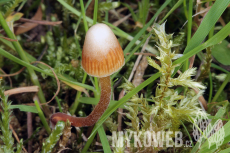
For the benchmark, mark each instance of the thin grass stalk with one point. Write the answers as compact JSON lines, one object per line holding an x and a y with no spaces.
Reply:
{"x":76,"y":101}
{"x":221,"y":87}
{"x":42,"y":117}
{"x":172,"y":10}
{"x":94,"y":22}
{"x":219,"y":68}
{"x":83,"y":15}
{"x":59,"y":104}
{"x":33,"y":76}
{"x":185,"y":9}
{"x":212,"y":30}
{"x":211,"y":33}
{"x":189,"y":30}
{"x":107,"y":14}
{"x":187,"y":133}
{"x":211,"y":88}
{"x":95,"y":12}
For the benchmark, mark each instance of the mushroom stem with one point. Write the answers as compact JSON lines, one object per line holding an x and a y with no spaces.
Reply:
{"x":94,"y":116}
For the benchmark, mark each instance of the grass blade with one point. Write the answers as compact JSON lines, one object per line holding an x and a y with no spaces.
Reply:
{"x":104,"y":140}
{"x":207,"y":24}
{"x":171,"y":11}
{"x":61,"y":77}
{"x":221,"y":35}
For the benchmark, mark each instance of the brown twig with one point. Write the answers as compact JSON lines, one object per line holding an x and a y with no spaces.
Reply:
{"x":121,"y":9}
{"x":120,"y":111}
{"x":61,"y":150}
{"x":82,"y":134}
{"x":16,"y":137}
{"x":191,"y":61}
{"x":58,"y":82}
{"x":146,"y":54}
{"x":201,"y":99}
{"x":11,"y":85}
{"x":40,"y":22}
{"x":21,"y":90}
{"x":121,"y":20}
{"x":140,"y":25}
{"x":13,"y":74}
{"x":138,"y":77}
{"x":138,"y":59}
{"x":9,"y":39}
{"x":29,"y":131}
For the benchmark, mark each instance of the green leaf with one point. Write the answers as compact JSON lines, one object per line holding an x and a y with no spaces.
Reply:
{"x":221,"y":52}
{"x":24,"y":108}
{"x":208,"y":22}
{"x":219,"y":68}
{"x":104,"y":140}
{"x":225,"y":150}
{"x":220,"y":36}
{"x":171,"y":11}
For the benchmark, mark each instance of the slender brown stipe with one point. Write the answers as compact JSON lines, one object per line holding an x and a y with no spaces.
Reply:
{"x":96,"y":113}
{"x":102,"y":56}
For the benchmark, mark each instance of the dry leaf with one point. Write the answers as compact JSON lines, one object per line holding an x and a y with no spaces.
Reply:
{"x":28,"y":25}
{"x":77,"y":87}
{"x":11,"y":18}
{"x":8,"y":38}
{"x":41,"y":22}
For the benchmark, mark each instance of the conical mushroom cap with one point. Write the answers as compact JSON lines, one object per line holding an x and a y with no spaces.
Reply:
{"x":102,"y":54}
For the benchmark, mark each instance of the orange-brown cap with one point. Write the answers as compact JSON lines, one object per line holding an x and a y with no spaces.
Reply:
{"x":102,"y":54}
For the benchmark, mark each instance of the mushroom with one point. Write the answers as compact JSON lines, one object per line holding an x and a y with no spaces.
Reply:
{"x":102,"y":56}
